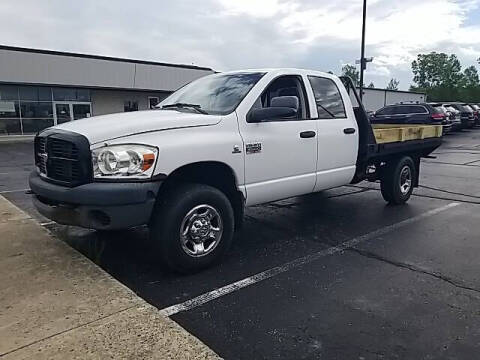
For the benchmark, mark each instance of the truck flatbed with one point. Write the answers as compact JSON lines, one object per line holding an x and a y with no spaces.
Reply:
{"x":390,"y":133}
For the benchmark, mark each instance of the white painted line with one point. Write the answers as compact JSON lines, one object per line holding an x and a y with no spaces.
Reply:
{"x":13,"y":191}
{"x":47,"y":223}
{"x":227,"y":289}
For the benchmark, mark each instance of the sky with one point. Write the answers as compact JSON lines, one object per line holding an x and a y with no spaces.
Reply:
{"x":230,"y":34}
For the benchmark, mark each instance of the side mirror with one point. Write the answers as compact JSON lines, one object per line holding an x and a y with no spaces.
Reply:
{"x":280,"y":107}
{"x":260,"y":115}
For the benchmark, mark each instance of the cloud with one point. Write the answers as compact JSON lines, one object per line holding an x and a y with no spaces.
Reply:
{"x":228,"y":34}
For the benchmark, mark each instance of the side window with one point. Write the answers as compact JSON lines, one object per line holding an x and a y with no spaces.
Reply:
{"x":327,"y":96}
{"x":385,"y":111}
{"x":419,"y":110}
{"x":288,"y":85}
{"x":402,"y":110}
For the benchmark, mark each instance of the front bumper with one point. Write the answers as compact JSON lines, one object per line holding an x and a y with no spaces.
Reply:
{"x":98,"y":205}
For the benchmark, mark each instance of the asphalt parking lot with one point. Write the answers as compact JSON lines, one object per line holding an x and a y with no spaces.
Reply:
{"x":335,"y":275}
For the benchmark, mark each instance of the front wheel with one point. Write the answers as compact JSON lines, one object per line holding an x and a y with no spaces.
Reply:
{"x":192,"y":228}
{"x":398,"y":181}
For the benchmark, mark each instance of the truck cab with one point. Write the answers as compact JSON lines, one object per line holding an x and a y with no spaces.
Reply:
{"x":188,"y":168}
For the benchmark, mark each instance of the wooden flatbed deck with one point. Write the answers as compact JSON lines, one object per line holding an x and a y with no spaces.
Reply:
{"x":390,"y":133}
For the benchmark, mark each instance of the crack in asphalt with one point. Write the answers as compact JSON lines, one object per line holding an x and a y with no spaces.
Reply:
{"x":430,"y":196}
{"x":439,"y":276}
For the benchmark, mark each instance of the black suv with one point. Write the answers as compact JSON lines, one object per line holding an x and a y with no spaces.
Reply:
{"x":412,"y":113}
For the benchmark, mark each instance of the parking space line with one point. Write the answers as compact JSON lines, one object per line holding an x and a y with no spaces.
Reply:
{"x":13,"y":191}
{"x":267,"y":274}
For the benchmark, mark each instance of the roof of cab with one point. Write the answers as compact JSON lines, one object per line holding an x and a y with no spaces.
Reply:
{"x":281,"y":70}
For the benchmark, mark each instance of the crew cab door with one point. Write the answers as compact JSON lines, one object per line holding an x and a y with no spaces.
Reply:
{"x":338,"y":137}
{"x":280,"y":153}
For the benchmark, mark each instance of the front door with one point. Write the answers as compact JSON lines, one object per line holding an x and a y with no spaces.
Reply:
{"x":280,"y":154}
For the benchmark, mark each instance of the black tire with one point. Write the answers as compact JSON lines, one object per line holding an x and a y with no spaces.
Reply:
{"x":167,"y":220}
{"x":391,"y":181}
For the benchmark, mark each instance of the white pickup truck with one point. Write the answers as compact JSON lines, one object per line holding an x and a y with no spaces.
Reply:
{"x":220,"y":143}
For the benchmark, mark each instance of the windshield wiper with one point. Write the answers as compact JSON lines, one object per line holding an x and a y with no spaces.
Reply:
{"x":196,"y":107}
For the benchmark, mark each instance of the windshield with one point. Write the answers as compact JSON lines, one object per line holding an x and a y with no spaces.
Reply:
{"x":214,"y":94}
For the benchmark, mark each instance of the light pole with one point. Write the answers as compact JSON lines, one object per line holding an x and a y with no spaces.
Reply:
{"x":363,"y":63}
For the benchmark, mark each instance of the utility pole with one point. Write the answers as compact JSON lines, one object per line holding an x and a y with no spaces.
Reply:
{"x":363,"y":63}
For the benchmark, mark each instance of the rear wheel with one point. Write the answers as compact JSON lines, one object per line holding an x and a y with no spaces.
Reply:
{"x":398,"y":181}
{"x":192,"y":228}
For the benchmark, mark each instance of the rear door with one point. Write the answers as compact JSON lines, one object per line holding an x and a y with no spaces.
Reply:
{"x":338,"y":136}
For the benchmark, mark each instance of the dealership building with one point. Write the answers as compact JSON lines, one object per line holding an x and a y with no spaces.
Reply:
{"x":40,"y":88}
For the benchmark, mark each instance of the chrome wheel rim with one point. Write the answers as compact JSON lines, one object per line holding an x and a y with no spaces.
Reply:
{"x":201,"y":230}
{"x":405,"y":180}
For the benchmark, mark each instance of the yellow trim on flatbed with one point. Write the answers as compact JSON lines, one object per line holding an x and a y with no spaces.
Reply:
{"x":389,"y":133}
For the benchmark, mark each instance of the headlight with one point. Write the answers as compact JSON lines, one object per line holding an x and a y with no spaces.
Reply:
{"x":124,"y":161}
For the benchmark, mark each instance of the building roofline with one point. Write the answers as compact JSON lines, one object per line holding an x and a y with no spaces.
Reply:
{"x":54,"y":85}
{"x":398,"y":91}
{"x":99,"y":57}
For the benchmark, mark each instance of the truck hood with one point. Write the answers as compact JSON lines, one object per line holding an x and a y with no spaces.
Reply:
{"x":114,"y":126}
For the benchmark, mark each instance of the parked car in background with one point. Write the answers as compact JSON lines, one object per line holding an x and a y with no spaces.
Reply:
{"x":450,"y":119}
{"x":476,"y":113}
{"x":466,"y":114}
{"x":411,"y":113}
{"x":454,"y":117}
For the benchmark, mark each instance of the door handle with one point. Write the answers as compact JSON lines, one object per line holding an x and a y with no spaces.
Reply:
{"x":307,"y":134}
{"x":349,"y":131}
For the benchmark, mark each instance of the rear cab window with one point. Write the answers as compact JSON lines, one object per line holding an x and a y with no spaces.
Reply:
{"x":327,"y":98}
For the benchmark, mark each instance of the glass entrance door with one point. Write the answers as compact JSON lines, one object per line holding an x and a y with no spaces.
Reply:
{"x":67,"y":111}
{"x":63,"y":113}
{"x":81,"y":111}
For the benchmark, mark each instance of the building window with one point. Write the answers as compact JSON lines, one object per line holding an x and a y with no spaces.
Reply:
{"x":70,"y":94}
{"x":8,"y":92}
{"x":29,"y":109}
{"x":153,"y":101}
{"x":10,"y":118}
{"x":130,"y":106}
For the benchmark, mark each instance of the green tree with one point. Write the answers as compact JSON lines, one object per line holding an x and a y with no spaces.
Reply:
{"x":470,"y":90}
{"x":371,"y":85}
{"x":439,"y":75}
{"x":470,"y":77}
{"x":393,"y":84}
{"x":352,"y":72}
